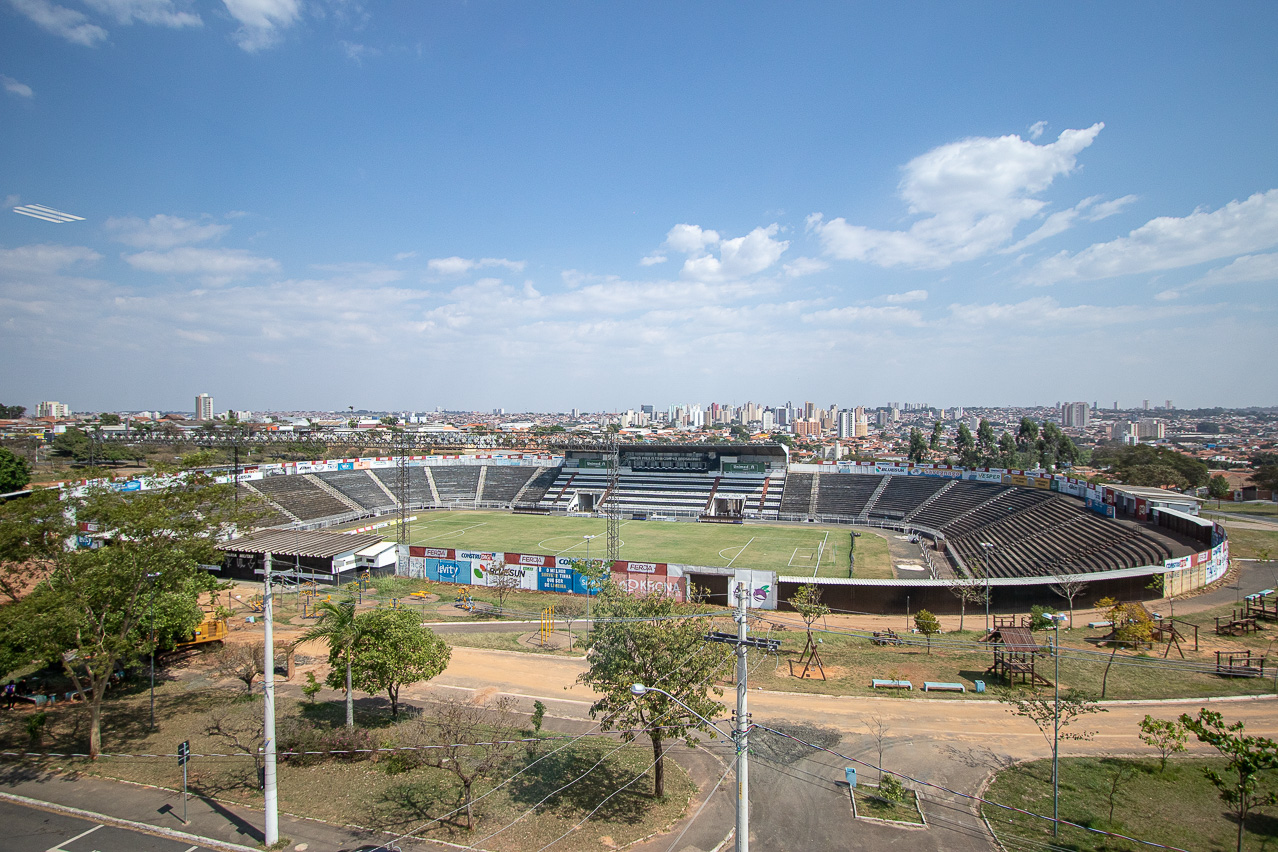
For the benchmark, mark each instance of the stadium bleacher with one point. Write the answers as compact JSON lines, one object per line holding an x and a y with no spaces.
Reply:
{"x":503,"y":482}
{"x":797,"y":493}
{"x":300,"y":497}
{"x":902,"y":495}
{"x":845,"y":494}
{"x":358,"y":485}
{"x":456,"y":483}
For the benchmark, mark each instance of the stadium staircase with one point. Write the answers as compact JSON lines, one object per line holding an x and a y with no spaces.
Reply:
{"x":284,"y":515}
{"x":430,"y":483}
{"x":814,"y":494}
{"x":949,"y":486}
{"x":710,"y":499}
{"x":479,"y":486}
{"x":874,"y":498}
{"x":394,"y":501}
{"x":324,"y":486}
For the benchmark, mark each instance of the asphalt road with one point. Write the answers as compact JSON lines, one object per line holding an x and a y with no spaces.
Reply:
{"x":30,"y":829}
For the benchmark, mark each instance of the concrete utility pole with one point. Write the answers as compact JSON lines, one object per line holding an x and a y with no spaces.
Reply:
{"x":271,"y":823}
{"x":741,"y":731}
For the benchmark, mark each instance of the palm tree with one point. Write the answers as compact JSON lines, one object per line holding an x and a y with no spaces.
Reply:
{"x":338,"y":627}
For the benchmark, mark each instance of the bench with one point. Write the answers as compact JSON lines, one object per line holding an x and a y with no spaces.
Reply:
{"x":876,"y":683}
{"x":1096,"y":624}
{"x":937,"y":686}
{"x":887,"y":637}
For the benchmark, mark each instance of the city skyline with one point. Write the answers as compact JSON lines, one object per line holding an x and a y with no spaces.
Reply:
{"x":299,"y":206}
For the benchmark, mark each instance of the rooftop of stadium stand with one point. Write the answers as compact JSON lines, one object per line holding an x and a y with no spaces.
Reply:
{"x":315,"y":543}
{"x":1146,"y":492}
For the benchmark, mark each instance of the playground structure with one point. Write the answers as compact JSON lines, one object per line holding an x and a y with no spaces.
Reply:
{"x":1237,"y":623}
{"x":1015,"y":652}
{"x":546,"y":633}
{"x":1262,"y":606}
{"x":1239,"y":664}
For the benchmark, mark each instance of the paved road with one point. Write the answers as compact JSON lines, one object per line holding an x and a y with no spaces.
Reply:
{"x":28,"y":829}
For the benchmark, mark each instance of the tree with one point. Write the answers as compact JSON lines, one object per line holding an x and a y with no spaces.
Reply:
{"x":570,"y":609}
{"x":985,"y":441}
{"x":1069,"y":586}
{"x":1266,"y":476}
{"x":12,"y":412}
{"x":108,"y":419}
{"x":1155,"y":476}
{"x":1121,"y":460}
{"x":1026,"y":435}
{"x":73,"y":443}
{"x":878,"y":729}
{"x":242,"y":662}
{"x":650,"y":648}
{"x":1247,"y":757}
{"x":94,"y":610}
{"x":807,"y":602}
{"x":927,"y":624}
{"x":391,"y":649}
{"x":471,"y":741}
{"x":1166,"y":735}
{"x":15,"y":473}
{"x":1039,"y":706}
{"x":938,"y":432}
{"x":1007,"y":451}
{"x":968,"y":590}
{"x":33,"y":532}
{"x":337,"y":627}
{"x":1218,"y":487}
{"x":503,"y":581}
{"x":1131,"y":622}
{"x":918,"y":446}
{"x":965,"y":444}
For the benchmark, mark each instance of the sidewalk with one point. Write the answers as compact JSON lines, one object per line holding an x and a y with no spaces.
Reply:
{"x":231,"y":826}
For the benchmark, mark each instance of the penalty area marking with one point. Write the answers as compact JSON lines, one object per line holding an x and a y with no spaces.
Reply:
{"x":455,"y":533}
{"x":739,"y":550}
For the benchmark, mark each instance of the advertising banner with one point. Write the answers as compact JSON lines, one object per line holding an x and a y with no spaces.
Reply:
{"x":596,"y":464}
{"x":560,"y":578}
{"x":640,"y":567}
{"x":1038,"y":482}
{"x":744,"y":467}
{"x":451,"y":570}
{"x":645,"y":584}
{"x":346,"y":465}
{"x":528,"y":560}
{"x":417,"y":568}
{"x":888,"y":467}
{"x":984,"y":476}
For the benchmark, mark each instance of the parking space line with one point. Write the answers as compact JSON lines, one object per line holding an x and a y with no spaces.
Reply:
{"x":58,"y":847}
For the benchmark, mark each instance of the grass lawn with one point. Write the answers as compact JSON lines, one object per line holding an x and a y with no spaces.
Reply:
{"x":510,"y":642}
{"x":386,"y":792}
{"x":1178,"y":807}
{"x":873,"y":561}
{"x":1252,"y":544}
{"x":787,"y":549}
{"x":1242,"y":508}
{"x":868,"y":804}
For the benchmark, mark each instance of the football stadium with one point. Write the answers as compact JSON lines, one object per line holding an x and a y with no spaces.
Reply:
{"x":878,"y":537}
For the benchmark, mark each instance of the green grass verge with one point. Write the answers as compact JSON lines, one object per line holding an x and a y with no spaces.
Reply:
{"x":870,"y":805}
{"x":873,"y":559}
{"x":1270,"y":509}
{"x":510,"y":642}
{"x":1252,"y":544}
{"x":1178,"y":807}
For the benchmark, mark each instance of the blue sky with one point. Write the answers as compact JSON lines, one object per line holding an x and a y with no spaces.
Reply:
{"x":322,"y":203}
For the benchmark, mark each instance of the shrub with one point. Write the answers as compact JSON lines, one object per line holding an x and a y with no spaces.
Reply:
{"x":345,"y":744}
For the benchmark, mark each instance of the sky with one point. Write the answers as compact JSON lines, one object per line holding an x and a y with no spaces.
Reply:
{"x":315,"y":204}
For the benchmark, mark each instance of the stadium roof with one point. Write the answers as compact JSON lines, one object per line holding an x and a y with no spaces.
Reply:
{"x":300,"y":543}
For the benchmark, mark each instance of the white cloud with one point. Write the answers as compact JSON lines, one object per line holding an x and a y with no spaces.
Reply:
{"x":1247,"y":269}
{"x":1046,"y":312}
{"x":215,"y":266}
{"x":356,"y":52}
{"x":690,"y":239}
{"x":45,"y":258}
{"x":973,"y":193}
{"x":738,"y":257}
{"x":801,"y":266}
{"x":1170,"y":243}
{"x":1089,"y":209}
{"x":162,"y":231}
{"x":652,"y":259}
{"x":406,"y":255}
{"x":448,"y":266}
{"x":161,"y":13}
{"x":1036,"y":129}
{"x":870,"y":315}
{"x":261,"y":21}
{"x":13,"y":87}
{"x":71,"y":25}
{"x":904,"y":298}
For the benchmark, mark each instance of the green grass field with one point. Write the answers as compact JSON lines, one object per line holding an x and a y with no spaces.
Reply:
{"x":789,"y":550}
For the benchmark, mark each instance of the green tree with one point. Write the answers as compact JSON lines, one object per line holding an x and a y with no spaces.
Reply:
{"x":927,"y":624}
{"x":985,"y":441}
{"x":392,"y":649}
{"x":651,"y":648}
{"x":94,"y":611}
{"x":1266,"y":476}
{"x":1121,"y":460}
{"x":339,"y":629}
{"x":33,"y":532}
{"x":73,"y":443}
{"x":108,"y":419}
{"x":1156,"y":476}
{"x":1218,"y":487}
{"x":15,"y":473}
{"x":1006,"y":451}
{"x":1248,"y":757}
{"x":1026,"y":435}
{"x":918,"y":446}
{"x":12,"y":412}
{"x":965,"y":444}
{"x":938,"y":432}
{"x":1166,"y":735}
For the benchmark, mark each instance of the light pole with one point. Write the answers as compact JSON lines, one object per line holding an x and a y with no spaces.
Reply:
{"x":151,"y":607}
{"x":589,"y":581}
{"x":271,"y":818}
{"x":1056,"y":618}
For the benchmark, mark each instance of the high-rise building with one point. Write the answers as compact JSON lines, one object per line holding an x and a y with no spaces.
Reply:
{"x":204,"y":407}
{"x":1075,"y":415}
{"x":53,"y":409}
{"x":1169,"y":405}
{"x":847,"y":424}
{"x":1146,"y":406}
{"x":1150,"y":427}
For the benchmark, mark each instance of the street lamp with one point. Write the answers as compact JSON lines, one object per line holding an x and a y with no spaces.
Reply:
{"x":589,"y":581}
{"x":152,"y":577}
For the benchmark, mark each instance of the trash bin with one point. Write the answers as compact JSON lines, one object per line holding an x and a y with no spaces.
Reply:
{"x":980,"y":686}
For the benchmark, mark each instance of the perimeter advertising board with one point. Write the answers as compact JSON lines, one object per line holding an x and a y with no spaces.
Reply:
{"x":652,"y":584}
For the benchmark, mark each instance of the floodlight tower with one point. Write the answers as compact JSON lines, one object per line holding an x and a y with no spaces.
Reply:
{"x":403,"y":495}
{"x":611,"y":509}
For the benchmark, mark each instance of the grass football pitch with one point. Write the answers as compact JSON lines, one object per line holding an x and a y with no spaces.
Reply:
{"x":808,"y":550}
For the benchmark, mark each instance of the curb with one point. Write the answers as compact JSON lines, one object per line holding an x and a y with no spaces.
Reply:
{"x":146,"y":828}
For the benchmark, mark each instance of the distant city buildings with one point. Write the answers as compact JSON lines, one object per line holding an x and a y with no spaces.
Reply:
{"x":1075,"y":415}
{"x":204,"y":407}
{"x":53,"y":409}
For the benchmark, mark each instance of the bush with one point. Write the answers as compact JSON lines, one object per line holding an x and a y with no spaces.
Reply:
{"x":345,"y":744}
{"x":1039,"y":617}
{"x":891,"y":789}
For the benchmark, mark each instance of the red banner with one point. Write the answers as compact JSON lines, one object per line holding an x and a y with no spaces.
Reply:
{"x":640,"y":567}
{"x":647,"y":584}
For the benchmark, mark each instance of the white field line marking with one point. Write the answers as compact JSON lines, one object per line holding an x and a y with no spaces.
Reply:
{"x":819,"y":551}
{"x":58,"y":848}
{"x":190,"y":850}
{"x":790,"y":564}
{"x":739,"y":552}
{"x":455,"y":532}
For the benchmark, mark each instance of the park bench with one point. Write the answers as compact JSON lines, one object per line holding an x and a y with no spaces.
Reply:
{"x":877,"y":683}
{"x":937,"y":686}
{"x":1097,"y":624}
{"x":886,"y":637}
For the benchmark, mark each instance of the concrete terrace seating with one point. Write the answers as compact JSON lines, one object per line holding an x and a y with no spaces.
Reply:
{"x":301,"y":497}
{"x":539,"y":484}
{"x":359,"y":486}
{"x":962,"y":497}
{"x":456,"y":483}
{"x":418,"y":487}
{"x":502,"y":482}
{"x":273,"y":517}
{"x":571,"y":480}
{"x":797,"y":493}
{"x":903,"y":495}
{"x":845,"y":494}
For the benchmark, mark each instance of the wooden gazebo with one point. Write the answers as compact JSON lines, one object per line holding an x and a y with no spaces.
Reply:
{"x":1015,"y":654}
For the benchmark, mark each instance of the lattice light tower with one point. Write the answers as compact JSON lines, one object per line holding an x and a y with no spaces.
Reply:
{"x":403,"y":493}
{"x":611,"y":508}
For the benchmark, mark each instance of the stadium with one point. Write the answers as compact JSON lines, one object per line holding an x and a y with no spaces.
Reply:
{"x":878,"y":537}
